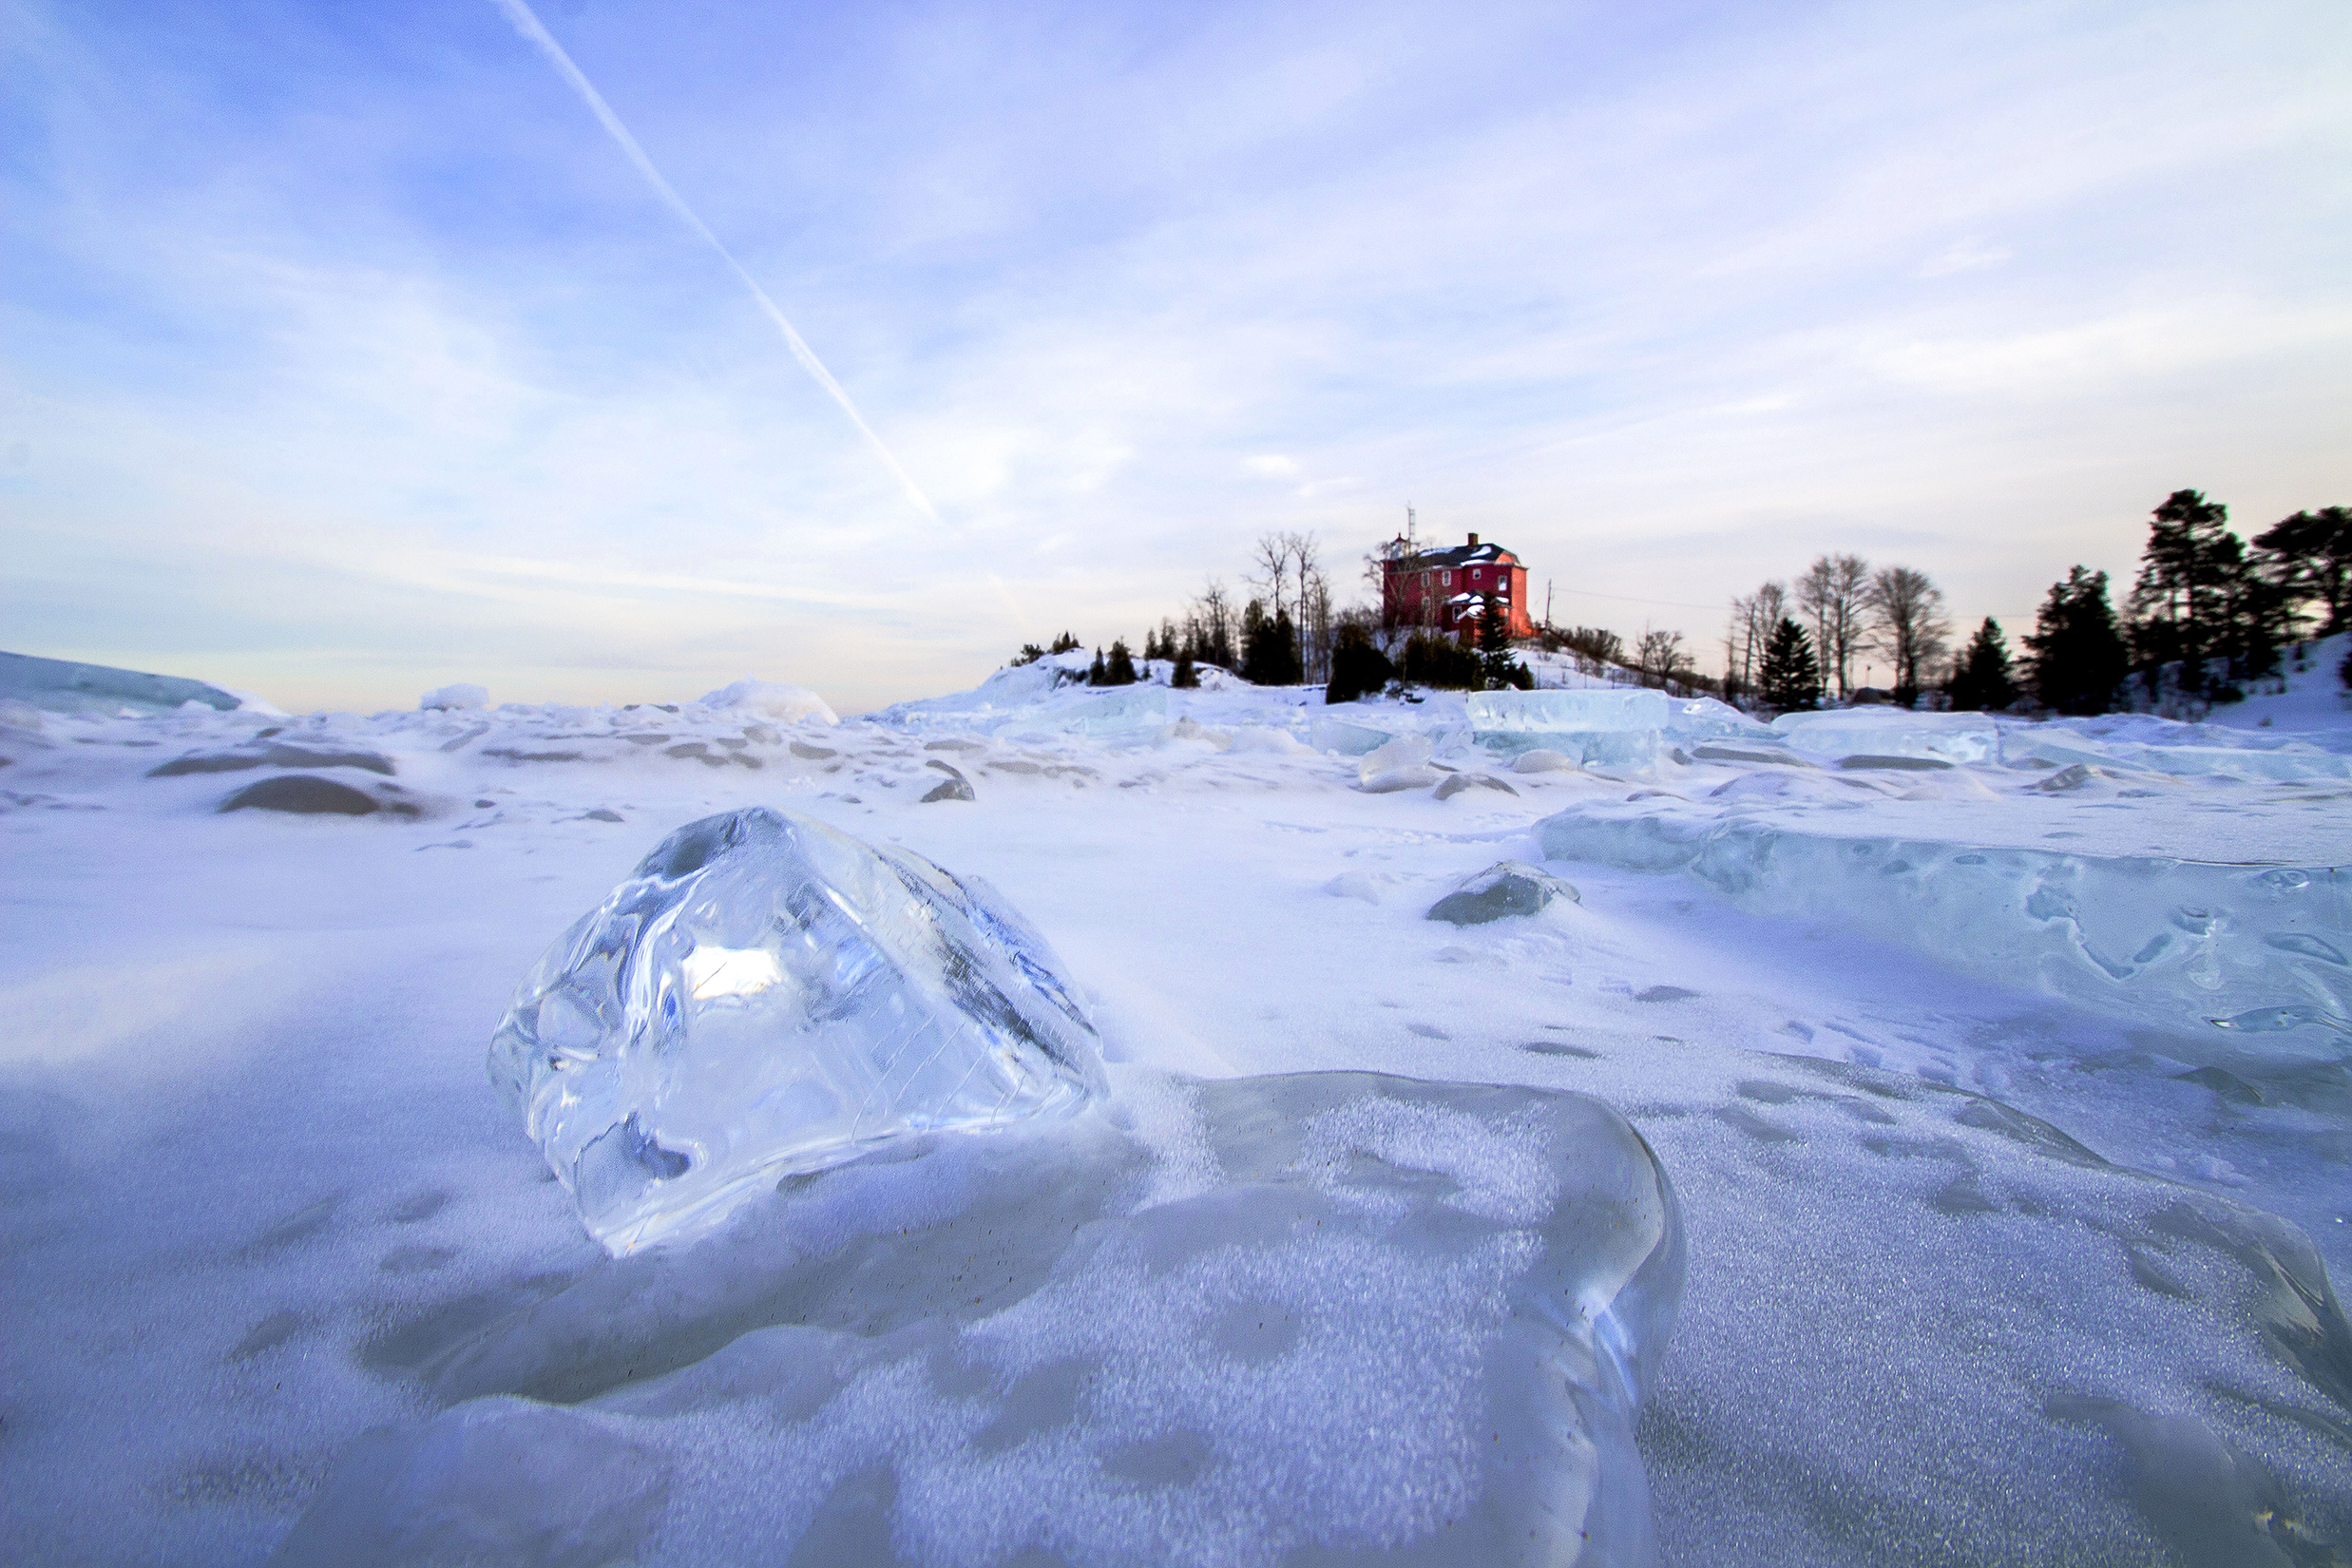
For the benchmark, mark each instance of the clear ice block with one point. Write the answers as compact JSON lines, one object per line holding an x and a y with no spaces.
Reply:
{"x":764,"y":996}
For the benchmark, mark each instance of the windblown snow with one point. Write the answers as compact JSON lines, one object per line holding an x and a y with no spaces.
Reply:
{"x":1868,"y":1137}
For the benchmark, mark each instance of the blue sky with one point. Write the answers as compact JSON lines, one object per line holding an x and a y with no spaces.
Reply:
{"x":347,"y":355}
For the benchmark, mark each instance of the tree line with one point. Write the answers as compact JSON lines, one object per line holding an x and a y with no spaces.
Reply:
{"x":2207,"y":611}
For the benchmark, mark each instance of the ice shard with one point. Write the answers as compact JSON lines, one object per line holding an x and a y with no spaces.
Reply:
{"x":764,"y":996}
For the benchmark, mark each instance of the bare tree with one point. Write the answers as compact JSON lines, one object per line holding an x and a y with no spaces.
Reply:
{"x":1211,"y":621}
{"x":1659,"y":658}
{"x":1270,"y":569}
{"x":1906,"y":622}
{"x":1754,"y":618}
{"x":1316,"y":627}
{"x":1834,"y":594}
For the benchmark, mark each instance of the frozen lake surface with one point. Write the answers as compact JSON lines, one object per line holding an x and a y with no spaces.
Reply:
{"x":1990,"y":1083}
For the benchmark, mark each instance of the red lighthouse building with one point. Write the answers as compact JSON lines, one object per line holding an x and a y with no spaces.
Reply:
{"x":1448,"y":590}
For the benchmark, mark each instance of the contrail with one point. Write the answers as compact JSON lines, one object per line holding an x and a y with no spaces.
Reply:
{"x":526,"y":22}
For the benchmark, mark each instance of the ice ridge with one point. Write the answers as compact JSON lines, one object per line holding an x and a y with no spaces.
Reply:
{"x":2258,"y":950}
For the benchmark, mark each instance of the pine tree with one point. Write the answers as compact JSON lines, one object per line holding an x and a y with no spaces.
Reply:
{"x":2309,"y":559}
{"x":2077,"y":655}
{"x":2199,"y":599}
{"x":1790,"y":677}
{"x":1121,"y":669}
{"x":1097,"y":675}
{"x":1983,"y":681}
{"x":1064,"y":643}
{"x":1358,"y":667}
{"x":1269,"y":648}
{"x":1439,"y":661}
{"x":1494,"y":645}
{"x":1184,"y":677}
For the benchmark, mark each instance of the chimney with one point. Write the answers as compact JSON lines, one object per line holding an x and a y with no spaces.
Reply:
{"x":1474,"y":541}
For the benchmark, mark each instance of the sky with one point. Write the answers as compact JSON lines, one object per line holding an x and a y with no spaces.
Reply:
{"x":345,"y":352}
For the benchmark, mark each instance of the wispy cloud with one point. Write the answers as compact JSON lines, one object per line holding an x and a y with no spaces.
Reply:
{"x":526,"y":22}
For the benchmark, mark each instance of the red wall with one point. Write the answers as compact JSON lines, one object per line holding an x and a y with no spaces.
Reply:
{"x":1401,"y":590}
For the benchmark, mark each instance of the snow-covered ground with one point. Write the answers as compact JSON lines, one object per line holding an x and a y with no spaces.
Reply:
{"x":2000,"y":1248}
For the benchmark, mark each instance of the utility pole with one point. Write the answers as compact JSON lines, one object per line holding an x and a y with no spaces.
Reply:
{"x":1547,"y":603}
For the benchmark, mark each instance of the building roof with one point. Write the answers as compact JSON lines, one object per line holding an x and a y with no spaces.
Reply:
{"x":1461,"y":555}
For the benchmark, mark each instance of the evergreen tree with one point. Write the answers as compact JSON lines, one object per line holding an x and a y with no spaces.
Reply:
{"x":1269,"y":648}
{"x":1030,"y":653}
{"x":2077,"y":655}
{"x":1184,"y":677}
{"x":1790,"y":677}
{"x":1494,"y":645}
{"x":2309,"y":559}
{"x":1097,"y":675}
{"x":2198,"y":599}
{"x":1120,"y":671}
{"x":1440,"y":661}
{"x":1983,"y":681}
{"x":1064,"y":643}
{"x":1358,"y":667}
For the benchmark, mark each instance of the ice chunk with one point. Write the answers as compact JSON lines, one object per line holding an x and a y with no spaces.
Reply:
{"x":1191,"y":730}
{"x":459,"y":696}
{"x":1121,"y":712}
{"x":273,"y":755}
{"x":954,"y":787}
{"x":1405,"y":750}
{"x":1607,"y":711}
{"x":1418,"y":776}
{"x":62,"y":686}
{"x":1611,"y":728}
{"x":2287,"y":763}
{"x":1338,"y":735}
{"x":766,"y":995}
{"x":1543,"y":761}
{"x":306,"y":795}
{"x":1258,"y":737}
{"x":1324,"y":1317}
{"x":1891,"y":732}
{"x":1506,"y":889}
{"x":785,"y":705}
{"x":1572,"y":712}
{"x":1455,"y":784}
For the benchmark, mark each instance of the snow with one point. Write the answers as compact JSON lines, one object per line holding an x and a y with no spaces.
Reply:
{"x":2309,"y":692}
{"x":785,"y":705}
{"x":1993,"y":1254}
{"x":459,"y":696}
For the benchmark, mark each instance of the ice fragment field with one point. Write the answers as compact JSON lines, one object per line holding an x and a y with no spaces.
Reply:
{"x":1983,"y":1083}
